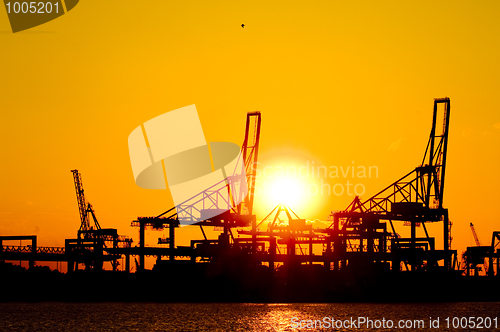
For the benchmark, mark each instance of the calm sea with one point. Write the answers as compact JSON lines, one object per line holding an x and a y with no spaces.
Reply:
{"x":243,"y":317}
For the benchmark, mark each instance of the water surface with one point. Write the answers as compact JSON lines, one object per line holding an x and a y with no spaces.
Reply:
{"x":57,"y":316}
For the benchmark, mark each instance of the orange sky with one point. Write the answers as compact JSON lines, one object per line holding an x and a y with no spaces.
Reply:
{"x":336,"y":82}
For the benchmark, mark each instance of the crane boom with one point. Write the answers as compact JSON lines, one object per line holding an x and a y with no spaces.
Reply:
{"x":80,"y":197}
{"x":83,"y":207}
{"x":478,"y":243}
{"x":250,"y":149}
{"x":476,"y":239}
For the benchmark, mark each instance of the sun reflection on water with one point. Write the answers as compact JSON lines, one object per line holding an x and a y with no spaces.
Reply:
{"x":218,"y":317}
{"x":274,"y":317}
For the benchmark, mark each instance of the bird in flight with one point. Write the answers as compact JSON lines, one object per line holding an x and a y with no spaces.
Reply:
{"x":243,"y":25}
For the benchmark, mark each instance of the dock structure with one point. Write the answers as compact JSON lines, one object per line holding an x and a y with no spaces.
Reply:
{"x":363,"y":238}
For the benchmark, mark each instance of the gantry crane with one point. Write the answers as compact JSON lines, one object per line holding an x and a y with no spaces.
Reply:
{"x":474,"y":234}
{"x":194,"y":211}
{"x":84,"y":208}
{"x":92,"y":240}
{"x":416,"y":198}
{"x":479,"y":255}
{"x":284,"y":228}
{"x":476,"y":255}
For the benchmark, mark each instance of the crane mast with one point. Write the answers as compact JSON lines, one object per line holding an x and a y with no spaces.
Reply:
{"x":478,"y":244}
{"x":416,"y":199}
{"x":476,"y":239}
{"x":250,"y":149}
{"x":80,"y":197}
{"x":83,"y":207}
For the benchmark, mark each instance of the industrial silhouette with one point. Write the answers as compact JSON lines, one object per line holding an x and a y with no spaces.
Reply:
{"x":359,"y":256}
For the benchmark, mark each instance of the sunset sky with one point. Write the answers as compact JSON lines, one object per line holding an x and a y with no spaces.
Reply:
{"x":339,"y":83}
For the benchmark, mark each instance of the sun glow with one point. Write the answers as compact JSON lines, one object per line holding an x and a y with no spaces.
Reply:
{"x":287,"y":191}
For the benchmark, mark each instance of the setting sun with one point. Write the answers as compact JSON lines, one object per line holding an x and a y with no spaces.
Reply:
{"x":287,"y":191}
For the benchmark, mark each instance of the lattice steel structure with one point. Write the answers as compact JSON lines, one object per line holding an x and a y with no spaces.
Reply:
{"x":416,"y":198}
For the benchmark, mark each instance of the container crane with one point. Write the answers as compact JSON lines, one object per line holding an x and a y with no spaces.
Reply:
{"x":415,"y":199}
{"x":478,"y":244}
{"x":92,"y":240}
{"x":194,"y":211}
{"x":476,"y":239}
{"x":85,"y":208}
